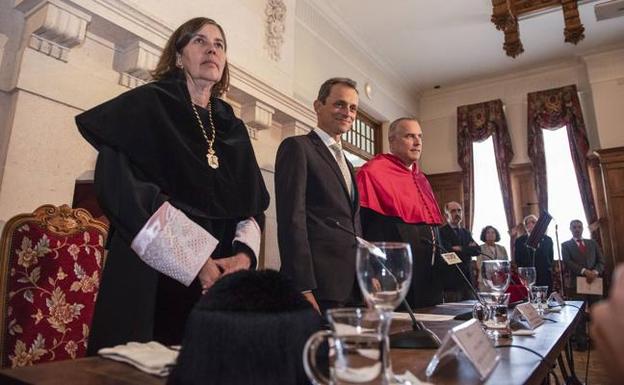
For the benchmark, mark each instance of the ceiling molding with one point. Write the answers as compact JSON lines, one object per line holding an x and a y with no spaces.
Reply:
{"x":329,"y":13}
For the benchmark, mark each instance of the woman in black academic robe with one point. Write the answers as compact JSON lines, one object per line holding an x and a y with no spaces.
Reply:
{"x":177,"y":177}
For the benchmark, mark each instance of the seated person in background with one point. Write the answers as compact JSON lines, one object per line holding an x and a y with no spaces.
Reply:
{"x":489,"y":235}
{"x":543,"y":258}
{"x":606,"y":328}
{"x":249,"y":328}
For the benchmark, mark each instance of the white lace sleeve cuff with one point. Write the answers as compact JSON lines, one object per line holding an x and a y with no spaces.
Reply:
{"x":173,"y":244}
{"x":248,"y":232}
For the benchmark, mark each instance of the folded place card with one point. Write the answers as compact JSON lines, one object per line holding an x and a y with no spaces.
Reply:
{"x":526,"y":315}
{"x":555,"y":299}
{"x":582,"y":287}
{"x":451,"y":258}
{"x":470,"y":339}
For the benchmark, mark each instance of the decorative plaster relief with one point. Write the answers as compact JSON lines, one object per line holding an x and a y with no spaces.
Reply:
{"x":54,"y":27}
{"x":275,"y":27}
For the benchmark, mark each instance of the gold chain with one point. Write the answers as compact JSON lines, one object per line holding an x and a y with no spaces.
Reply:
{"x":211,"y":156}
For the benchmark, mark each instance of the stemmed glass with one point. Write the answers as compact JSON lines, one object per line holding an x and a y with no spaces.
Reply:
{"x":528,"y":275}
{"x":496,"y":276}
{"x":384,"y":272}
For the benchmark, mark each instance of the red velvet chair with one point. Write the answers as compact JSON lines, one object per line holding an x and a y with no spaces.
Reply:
{"x":50,"y":268}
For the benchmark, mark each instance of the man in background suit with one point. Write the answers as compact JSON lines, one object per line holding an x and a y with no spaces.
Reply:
{"x":314,"y":181}
{"x":541,"y":258}
{"x":582,"y":258}
{"x":458,"y":239}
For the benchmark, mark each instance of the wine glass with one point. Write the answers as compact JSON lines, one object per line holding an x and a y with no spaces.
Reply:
{"x":527,"y":275}
{"x":384,"y":272}
{"x":496,"y":275}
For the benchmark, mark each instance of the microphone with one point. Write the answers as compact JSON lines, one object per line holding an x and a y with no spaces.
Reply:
{"x":420,"y":337}
{"x":466,"y":280}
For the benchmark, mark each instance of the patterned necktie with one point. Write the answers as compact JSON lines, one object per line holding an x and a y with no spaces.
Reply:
{"x":581,"y":246}
{"x":342,"y":164}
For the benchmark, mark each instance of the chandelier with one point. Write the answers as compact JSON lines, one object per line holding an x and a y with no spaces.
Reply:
{"x":505,"y":14}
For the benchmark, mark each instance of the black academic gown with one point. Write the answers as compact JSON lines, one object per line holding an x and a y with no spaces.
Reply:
{"x":426,"y":287}
{"x":151,"y":150}
{"x":543,"y":258}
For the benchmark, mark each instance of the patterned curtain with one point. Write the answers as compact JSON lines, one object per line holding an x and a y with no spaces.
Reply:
{"x":553,"y":109}
{"x":476,"y":123}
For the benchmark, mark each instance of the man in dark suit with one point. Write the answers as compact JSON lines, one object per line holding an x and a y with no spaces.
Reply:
{"x":541,"y":258}
{"x":459,"y":240}
{"x":582,"y":257}
{"x":314,"y":181}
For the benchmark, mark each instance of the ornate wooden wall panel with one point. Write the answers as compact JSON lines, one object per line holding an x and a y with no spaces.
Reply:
{"x":612,"y":167}
{"x":447,"y":187}
{"x":523,"y":190}
{"x":598,"y":191}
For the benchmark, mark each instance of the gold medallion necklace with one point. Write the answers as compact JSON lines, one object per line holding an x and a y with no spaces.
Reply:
{"x":211,"y":156}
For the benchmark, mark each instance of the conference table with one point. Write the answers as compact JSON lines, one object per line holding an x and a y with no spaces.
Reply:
{"x":516,"y":366}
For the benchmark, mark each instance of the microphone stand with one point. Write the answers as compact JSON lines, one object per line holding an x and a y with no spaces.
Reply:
{"x":420,"y":337}
{"x":560,"y":260}
{"x":466,"y":280}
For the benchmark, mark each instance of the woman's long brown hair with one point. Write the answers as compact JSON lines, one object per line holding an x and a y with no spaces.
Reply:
{"x":167,"y":64}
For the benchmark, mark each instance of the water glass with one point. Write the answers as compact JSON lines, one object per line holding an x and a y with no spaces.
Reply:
{"x":357,"y":346}
{"x":384,"y":272}
{"x":540,"y":298}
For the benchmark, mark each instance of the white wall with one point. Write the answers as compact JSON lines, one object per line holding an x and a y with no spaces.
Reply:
{"x":606,"y":77}
{"x":601,"y":100}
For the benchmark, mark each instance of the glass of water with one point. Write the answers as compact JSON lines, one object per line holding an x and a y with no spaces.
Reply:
{"x":384,"y":272}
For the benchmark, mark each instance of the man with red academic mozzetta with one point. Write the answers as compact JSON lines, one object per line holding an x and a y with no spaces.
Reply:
{"x":398,"y":205}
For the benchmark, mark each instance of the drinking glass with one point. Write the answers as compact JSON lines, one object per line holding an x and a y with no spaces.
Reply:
{"x":357,"y":347}
{"x":540,"y":296}
{"x":496,"y":275}
{"x":528,"y":275}
{"x":384,"y":272}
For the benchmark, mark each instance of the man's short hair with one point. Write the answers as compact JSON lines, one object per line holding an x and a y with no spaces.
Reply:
{"x":326,"y":87}
{"x":573,"y":221}
{"x":394,"y":126}
{"x":526,"y":219}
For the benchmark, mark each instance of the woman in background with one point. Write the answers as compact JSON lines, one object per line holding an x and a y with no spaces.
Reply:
{"x":490,"y":236}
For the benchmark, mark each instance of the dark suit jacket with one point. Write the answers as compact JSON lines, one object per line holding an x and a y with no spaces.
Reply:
{"x":309,"y":188}
{"x":463,"y":238}
{"x":575,"y":261}
{"x":543,"y":258}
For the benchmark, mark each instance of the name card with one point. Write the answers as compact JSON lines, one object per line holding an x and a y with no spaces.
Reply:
{"x":451,"y":258}
{"x":526,"y":312}
{"x":582,"y":287}
{"x":470,"y":339}
{"x":555,"y":299}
